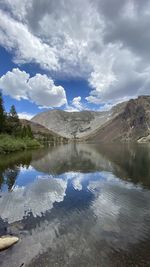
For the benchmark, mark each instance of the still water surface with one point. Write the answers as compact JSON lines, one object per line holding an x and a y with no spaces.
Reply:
{"x":77,"y":205}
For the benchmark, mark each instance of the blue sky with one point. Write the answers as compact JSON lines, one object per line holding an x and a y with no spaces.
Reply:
{"x":53,"y":56}
{"x":73,"y":87}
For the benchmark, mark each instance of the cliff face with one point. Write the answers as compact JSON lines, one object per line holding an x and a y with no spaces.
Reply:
{"x":70,"y":124}
{"x":128,"y":121}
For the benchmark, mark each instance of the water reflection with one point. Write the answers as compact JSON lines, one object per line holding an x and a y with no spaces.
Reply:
{"x":10,"y":166}
{"x":79,"y":205}
{"x":73,"y":157}
{"x":125,"y":161}
{"x":36,"y":198}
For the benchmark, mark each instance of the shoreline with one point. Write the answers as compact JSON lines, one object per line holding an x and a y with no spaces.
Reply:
{"x":9,"y":144}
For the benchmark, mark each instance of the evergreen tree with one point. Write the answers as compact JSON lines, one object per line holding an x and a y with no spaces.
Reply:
{"x":2,"y":115}
{"x":14,"y":122}
{"x":13,"y":112}
{"x":26,"y":132}
{"x":23,"y":132}
{"x":29,"y":132}
{"x":10,"y":123}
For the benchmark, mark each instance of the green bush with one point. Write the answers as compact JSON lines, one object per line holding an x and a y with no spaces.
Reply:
{"x":10,"y":144}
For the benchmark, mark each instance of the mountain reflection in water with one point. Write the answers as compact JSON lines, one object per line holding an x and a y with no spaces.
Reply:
{"x":77,"y":204}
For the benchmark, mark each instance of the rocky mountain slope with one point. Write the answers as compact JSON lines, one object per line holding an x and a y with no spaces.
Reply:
{"x":131,"y":124}
{"x":127,"y":121}
{"x":75,"y":124}
{"x":42,"y":133}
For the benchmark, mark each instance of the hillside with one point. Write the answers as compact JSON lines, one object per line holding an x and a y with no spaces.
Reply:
{"x":131,"y":124}
{"x":42,"y":133}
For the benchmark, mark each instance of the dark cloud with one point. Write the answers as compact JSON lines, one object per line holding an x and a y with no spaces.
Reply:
{"x":134,"y":34}
{"x":127,"y":22}
{"x":41,"y":8}
{"x":111,"y":9}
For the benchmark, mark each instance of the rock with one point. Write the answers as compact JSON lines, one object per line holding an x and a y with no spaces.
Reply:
{"x":144,"y":139}
{"x":7,"y":241}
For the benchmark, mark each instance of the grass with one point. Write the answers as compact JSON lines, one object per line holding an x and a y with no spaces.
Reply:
{"x":11,"y":144}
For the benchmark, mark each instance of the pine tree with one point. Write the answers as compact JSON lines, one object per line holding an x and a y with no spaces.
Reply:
{"x":14,"y":122}
{"x":23,"y":132}
{"x":2,"y":115}
{"x":29,"y":132}
{"x":13,"y":112}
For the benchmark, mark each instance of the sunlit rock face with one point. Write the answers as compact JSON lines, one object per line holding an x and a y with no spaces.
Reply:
{"x":36,"y":198}
{"x":72,"y":124}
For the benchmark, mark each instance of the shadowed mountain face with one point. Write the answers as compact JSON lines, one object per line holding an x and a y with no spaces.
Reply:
{"x":131,"y":124}
{"x":128,"y":121}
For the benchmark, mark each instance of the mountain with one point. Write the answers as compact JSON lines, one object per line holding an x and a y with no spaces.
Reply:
{"x":131,"y":124}
{"x":41,"y":132}
{"x":75,"y":124}
{"x":128,"y":121}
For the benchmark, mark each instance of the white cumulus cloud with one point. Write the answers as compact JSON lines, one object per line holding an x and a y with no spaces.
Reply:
{"x":76,"y":102}
{"x":76,"y":105}
{"x":28,"y":48}
{"x":110,"y":49}
{"x":25,"y":115}
{"x":39,"y":89}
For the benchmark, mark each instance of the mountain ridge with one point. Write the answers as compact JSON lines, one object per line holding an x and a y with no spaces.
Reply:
{"x":132,"y":124}
{"x":127,"y":121}
{"x":75,"y":124}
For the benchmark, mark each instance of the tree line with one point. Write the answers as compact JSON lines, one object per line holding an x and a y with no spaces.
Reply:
{"x":10,"y":123}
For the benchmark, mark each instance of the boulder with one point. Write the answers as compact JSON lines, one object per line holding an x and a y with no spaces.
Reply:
{"x":7,"y":241}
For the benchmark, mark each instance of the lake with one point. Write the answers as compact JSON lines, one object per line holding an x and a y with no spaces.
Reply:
{"x":77,"y":205}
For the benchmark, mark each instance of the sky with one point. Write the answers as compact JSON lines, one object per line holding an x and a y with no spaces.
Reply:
{"x":73,"y":55}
